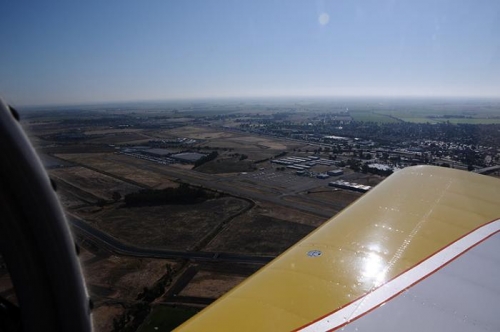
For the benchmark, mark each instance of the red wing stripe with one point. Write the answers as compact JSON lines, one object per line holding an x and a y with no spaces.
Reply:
{"x":405,"y":280}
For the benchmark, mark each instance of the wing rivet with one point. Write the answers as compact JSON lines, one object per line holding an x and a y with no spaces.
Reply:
{"x":314,"y":253}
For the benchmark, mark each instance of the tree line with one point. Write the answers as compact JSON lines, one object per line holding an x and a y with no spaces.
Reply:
{"x":206,"y":159}
{"x":184,"y":194}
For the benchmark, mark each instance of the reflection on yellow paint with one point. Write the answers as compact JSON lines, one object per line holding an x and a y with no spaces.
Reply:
{"x":373,"y":271}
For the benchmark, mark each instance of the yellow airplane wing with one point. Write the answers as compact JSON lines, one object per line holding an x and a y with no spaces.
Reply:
{"x":367,"y":266}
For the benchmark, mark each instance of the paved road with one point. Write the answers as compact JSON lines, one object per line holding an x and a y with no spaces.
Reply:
{"x":488,"y":170}
{"x":118,"y":247}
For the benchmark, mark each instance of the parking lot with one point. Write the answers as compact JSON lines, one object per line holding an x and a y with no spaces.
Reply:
{"x":287,"y":180}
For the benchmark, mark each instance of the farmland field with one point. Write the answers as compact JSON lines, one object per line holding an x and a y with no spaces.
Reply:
{"x":367,"y":116}
{"x":163,"y":318}
{"x":436,"y":116}
{"x":178,"y":227}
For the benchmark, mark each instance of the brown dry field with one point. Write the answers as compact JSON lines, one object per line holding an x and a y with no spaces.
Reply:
{"x":95,"y":183}
{"x":120,"y":138}
{"x":117,"y":279}
{"x":247,"y":143}
{"x":54,"y":149}
{"x":256,"y":147}
{"x":332,"y":205}
{"x":160,"y":134}
{"x":68,"y":198}
{"x":102,"y":317}
{"x":105,"y":130}
{"x":121,"y":166}
{"x":256,"y":232}
{"x":210,"y":284}
{"x":333,"y":195}
{"x":289,"y":214}
{"x":198,"y":133}
{"x":178,"y":227}
{"x":258,"y":141}
{"x":42,"y":128}
{"x":326,"y":199}
{"x":149,"y":174}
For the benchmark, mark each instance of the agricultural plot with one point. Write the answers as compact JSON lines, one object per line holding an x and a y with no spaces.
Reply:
{"x":121,"y":167}
{"x":368,"y":116}
{"x":210,"y":284}
{"x":115,"y":280}
{"x":254,"y":233}
{"x":95,"y":183}
{"x":178,"y":227}
{"x":120,"y":138}
{"x":166,"y":318}
{"x":256,"y":147}
{"x":198,"y":133}
{"x":441,"y":116}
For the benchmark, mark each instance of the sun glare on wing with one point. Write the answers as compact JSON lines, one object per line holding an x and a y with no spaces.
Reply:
{"x":373,"y":269}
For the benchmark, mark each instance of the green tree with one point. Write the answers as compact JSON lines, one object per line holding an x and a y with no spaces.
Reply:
{"x":116,"y":196}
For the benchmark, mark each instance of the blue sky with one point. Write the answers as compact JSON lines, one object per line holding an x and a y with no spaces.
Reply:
{"x":69,"y":52}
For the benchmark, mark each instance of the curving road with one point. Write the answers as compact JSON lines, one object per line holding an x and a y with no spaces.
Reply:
{"x":118,"y":247}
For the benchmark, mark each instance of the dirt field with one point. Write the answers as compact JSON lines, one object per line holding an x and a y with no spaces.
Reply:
{"x":95,"y":183}
{"x":198,"y":133}
{"x":122,"y":167}
{"x":256,"y":147}
{"x":115,"y":280}
{"x":120,"y":277}
{"x":328,"y":207}
{"x":257,"y":233}
{"x":166,"y":318}
{"x":102,"y":317}
{"x":288,"y":214}
{"x":335,"y":198}
{"x":177,"y":227}
{"x":68,"y":198}
{"x":258,"y":141}
{"x":120,"y":138}
{"x":107,"y":131}
{"x":210,"y":284}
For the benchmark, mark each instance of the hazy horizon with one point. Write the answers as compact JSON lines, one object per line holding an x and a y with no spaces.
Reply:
{"x":65,"y":53}
{"x":270,"y":101}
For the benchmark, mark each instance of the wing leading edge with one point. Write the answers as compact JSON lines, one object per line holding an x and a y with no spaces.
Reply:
{"x":409,"y":226}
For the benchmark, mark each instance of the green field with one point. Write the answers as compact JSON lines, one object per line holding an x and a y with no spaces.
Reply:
{"x":163,"y":318}
{"x":368,"y":116}
{"x":474,"y":121}
{"x":424,"y":116}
